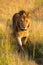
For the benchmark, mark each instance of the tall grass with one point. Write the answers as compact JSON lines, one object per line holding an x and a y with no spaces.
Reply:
{"x":9,"y":54}
{"x":9,"y":51}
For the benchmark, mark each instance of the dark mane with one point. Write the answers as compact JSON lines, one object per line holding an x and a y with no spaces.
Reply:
{"x":22,"y":12}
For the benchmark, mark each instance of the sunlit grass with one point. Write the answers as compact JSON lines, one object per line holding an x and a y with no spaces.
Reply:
{"x":8,"y":48}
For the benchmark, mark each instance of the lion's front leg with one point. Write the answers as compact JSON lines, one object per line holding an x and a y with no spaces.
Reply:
{"x":20,"y":43}
{"x":25,"y":41}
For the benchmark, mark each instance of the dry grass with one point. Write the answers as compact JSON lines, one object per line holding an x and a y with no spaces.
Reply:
{"x":36,"y":33}
{"x":8,"y":56}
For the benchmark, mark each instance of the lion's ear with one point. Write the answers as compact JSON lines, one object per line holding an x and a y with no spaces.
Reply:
{"x":28,"y":15}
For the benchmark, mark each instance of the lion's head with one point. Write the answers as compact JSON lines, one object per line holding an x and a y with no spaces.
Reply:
{"x":22,"y":20}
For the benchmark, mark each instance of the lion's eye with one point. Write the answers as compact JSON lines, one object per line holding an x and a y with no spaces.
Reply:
{"x":26,"y":20}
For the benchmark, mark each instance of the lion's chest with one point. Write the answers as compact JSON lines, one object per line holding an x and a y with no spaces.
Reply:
{"x":23,"y":34}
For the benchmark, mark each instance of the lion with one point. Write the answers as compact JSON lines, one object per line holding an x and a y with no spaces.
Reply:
{"x":21,"y":24}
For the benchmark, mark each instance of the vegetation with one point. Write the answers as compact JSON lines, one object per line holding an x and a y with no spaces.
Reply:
{"x":9,"y":54}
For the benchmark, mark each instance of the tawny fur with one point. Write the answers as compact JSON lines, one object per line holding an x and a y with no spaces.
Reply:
{"x":21,"y":24}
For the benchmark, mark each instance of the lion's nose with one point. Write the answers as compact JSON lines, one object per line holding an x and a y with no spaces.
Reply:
{"x":25,"y":28}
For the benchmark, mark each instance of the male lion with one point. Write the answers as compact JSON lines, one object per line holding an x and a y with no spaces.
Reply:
{"x":21,"y":24}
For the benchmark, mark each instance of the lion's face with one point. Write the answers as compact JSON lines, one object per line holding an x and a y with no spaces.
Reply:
{"x":24,"y":21}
